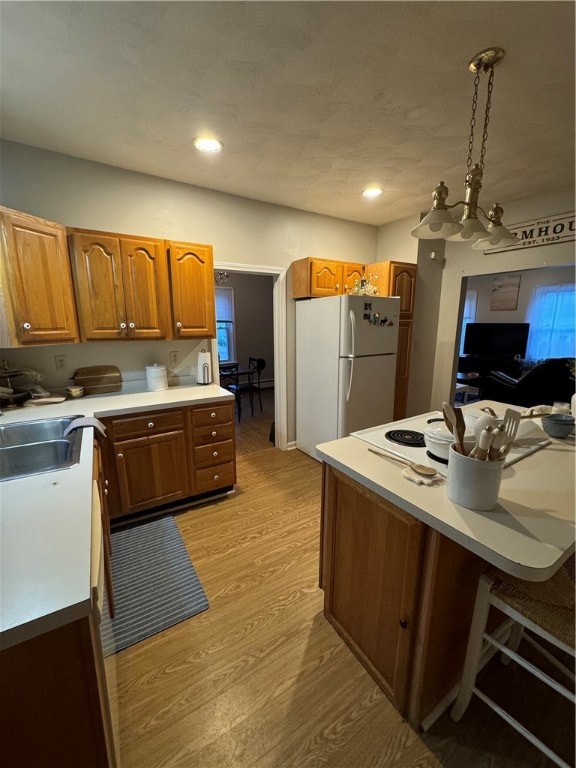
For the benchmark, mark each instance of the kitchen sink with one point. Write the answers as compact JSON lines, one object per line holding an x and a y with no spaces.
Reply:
{"x":24,"y":432}
{"x":30,"y":448}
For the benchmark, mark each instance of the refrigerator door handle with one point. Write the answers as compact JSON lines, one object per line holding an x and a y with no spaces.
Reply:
{"x":353,"y":332}
{"x":349,"y":389}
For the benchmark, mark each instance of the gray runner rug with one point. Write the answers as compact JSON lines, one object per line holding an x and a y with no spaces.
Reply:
{"x":155,"y":584}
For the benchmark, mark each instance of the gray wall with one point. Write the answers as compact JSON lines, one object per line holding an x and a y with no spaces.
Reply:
{"x":254,"y":319}
{"x":80,"y":193}
{"x":528,"y":280}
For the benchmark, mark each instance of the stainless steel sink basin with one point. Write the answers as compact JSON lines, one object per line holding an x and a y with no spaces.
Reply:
{"x":23,"y":432}
{"x":30,"y":448}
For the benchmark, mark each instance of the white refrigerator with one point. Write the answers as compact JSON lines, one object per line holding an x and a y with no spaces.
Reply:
{"x":345,"y":366}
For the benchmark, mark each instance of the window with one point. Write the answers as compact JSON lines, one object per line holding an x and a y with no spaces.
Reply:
{"x":225,"y":324}
{"x":469,"y":315}
{"x":551,"y":316}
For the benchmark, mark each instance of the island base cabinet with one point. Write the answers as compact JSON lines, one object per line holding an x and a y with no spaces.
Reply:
{"x":372,"y":552}
{"x":54,"y":711}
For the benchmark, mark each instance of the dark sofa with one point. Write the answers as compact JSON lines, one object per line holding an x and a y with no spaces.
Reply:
{"x":548,"y":382}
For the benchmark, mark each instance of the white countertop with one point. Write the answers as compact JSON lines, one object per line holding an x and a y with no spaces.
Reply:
{"x":529,"y":534}
{"x":45,"y":519}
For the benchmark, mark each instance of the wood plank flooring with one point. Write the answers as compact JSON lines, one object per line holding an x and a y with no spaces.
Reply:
{"x":261,"y":680}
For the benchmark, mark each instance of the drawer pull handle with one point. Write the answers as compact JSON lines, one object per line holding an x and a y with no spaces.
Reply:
{"x":150,"y":424}
{"x":215,"y":453}
{"x":213,"y":415}
{"x":214,"y":433}
{"x":216,"y":477}
{"x":120,"y":456}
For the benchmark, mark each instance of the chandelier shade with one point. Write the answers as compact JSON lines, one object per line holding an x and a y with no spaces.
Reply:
{"x":439,"y":223}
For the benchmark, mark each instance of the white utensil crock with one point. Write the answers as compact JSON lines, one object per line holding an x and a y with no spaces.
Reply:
{"x":472,"y":483}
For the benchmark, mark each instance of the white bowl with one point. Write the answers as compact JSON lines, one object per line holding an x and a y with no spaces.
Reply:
{"x":438,"y":438}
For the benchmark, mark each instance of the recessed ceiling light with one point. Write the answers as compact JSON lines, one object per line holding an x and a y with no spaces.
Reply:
{"x":372,"y":192}
{"x":207,"y":145}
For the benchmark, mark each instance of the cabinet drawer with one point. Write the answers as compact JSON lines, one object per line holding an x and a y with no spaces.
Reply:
{"x":215,"y":477}
{"x":211,"y":455}
{"x":213,"y":434}
{"x":213,"y":414}
{"x":146,"y":424}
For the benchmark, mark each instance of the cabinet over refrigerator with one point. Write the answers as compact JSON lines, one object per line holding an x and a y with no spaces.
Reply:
{"x":345,"y":366}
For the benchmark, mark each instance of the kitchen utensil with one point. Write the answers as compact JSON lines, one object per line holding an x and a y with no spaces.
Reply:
{"x":409,"y":474}
{"x":484,"y":444}
{"x":420,"y":469}
{"x":511,"y":422}
{"x":498,"y":438}
{"x":456,"y":418}
{"x":484,"y":421}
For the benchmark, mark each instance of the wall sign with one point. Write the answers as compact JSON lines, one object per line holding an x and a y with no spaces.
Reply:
{"x":545,"y":231}
{"x":504,"y":292}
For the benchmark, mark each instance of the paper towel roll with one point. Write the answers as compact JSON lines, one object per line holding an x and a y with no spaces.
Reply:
{"x":156,"y":377}
{"x":204,"y":368}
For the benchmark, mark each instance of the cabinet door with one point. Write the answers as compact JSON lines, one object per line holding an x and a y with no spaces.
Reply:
{"x":350,"y":274}
{"x":146,"y":292}
{"x":192,"y":282}
{"x":325,"y":278}
{"x":373,"y":552}
{"x":402,"y":368}
{"x":97,"y":265}
{"x":403,"y":284}
{"x":37,"y":281}
{"x":152,"y":470}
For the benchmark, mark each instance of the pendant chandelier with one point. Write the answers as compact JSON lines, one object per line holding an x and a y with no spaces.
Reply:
{"x":439,"y":223}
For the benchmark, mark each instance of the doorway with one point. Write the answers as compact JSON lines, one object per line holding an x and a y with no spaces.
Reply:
{"x":278,"y":275}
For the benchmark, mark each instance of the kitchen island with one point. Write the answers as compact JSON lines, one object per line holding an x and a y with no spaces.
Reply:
{"x":400,"y":562}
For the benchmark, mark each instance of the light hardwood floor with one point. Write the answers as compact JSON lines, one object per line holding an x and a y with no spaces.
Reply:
{"x":261,"y":680}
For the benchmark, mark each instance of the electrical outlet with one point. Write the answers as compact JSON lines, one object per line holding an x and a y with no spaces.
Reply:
{"x":173,"y":358}
{"x":60,"y":361}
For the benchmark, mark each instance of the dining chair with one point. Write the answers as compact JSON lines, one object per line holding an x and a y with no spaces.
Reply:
{"x":230,"y":380}
{"x":257,"y":364}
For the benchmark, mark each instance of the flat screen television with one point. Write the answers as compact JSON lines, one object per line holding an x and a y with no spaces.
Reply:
{"x":505,"y":340}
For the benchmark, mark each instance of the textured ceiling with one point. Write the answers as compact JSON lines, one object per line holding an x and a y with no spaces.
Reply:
{"x":313,"y":101}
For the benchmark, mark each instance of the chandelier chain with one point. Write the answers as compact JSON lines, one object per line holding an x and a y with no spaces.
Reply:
{"x":487,"y":117}
{"x":472,"y":122}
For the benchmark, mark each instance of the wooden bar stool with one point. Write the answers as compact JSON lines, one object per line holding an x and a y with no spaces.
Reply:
{"x":546,"y":609}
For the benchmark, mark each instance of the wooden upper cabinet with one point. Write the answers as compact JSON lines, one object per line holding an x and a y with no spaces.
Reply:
{"x":192,"y":283}
{"x":396,"y":278}
{"x":322,"y":277}
{"x":121,"y":285}
{"x":36,"y":292}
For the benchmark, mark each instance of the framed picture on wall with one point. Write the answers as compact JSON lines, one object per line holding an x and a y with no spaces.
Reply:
{"x":505,"y":290}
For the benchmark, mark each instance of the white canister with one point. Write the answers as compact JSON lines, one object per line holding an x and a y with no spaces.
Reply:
{"x":473,"y":483}
{"x":156,"y":377}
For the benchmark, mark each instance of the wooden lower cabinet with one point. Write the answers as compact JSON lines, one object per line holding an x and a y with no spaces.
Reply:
{"x":398,"y":593}
{"x":164,"y":457}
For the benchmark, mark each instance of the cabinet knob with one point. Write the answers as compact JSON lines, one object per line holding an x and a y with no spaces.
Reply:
{"x":404,"y":623}
{"x":131,"y":325}
{"x":213,"y":415}
{"x":216,"y":477}
{"x":106,"y":483}
{"x":215,"y":453}
{"x":105,"y":491}
{"x":214,"y":434}
{"x":122,"y":326}
{"x":120,"y":456}
{"x":150,"y":424}
{"x":178,"y":327}
{"x":26,"y":326}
